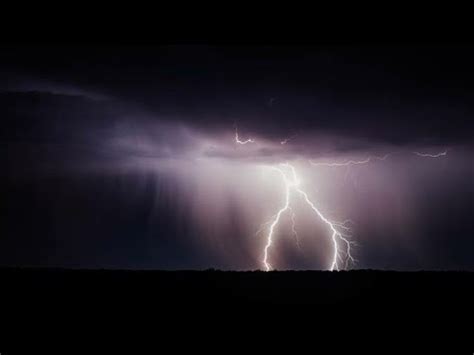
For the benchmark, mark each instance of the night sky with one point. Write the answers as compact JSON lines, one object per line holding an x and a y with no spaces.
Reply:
{"x":121,"y":156}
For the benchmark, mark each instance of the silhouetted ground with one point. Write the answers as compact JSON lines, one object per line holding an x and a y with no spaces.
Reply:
{"x":244,"y":304}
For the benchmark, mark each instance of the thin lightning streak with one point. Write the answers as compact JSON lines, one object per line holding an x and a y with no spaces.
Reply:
{"x":262,"y":228}
{"x":343,"y":224}
{"x":424,"y":155}
{"x":292,"y":184}
{"x":293,"y":229}
{"x":351,"y":162}
{"x":372,"y":158}
{"x":237,"y":140}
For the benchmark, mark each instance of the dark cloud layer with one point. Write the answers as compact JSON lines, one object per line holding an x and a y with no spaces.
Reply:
{"x":398,"y":94}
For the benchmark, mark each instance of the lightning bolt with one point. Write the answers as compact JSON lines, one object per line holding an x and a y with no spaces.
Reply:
{"x":342,"y":246}
{"x":238,"y":141}
{"x":425,"y":155}
{"x":372,"y":158}
{"x":351,"y":162}
{"x":277,"y":217}
{"x":293,"y":229}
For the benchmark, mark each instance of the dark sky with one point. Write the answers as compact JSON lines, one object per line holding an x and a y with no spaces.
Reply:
{"x":70,"y":112}
{"x":410,"y":89}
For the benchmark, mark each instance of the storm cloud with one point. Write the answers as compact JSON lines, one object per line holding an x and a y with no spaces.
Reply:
{"x":126,"y":157}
